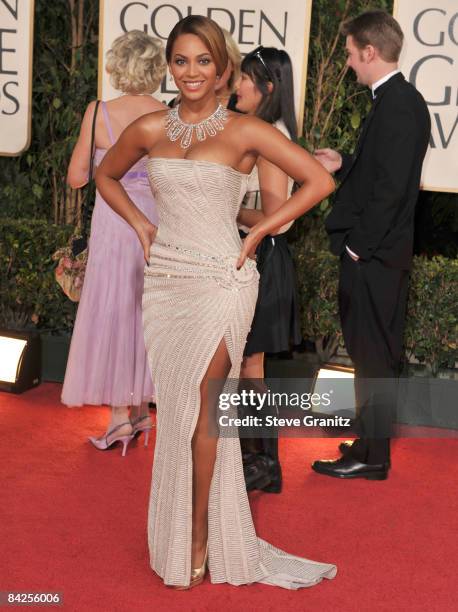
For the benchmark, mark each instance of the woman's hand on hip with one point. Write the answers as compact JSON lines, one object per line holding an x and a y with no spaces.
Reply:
{"x":146,"y":232}
{"x":250,"y":244}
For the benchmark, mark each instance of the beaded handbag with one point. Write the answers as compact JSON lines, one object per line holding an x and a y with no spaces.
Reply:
{"x":72,"y":259}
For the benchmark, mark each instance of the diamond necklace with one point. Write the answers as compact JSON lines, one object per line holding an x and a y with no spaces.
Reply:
{"x":210,"y":126}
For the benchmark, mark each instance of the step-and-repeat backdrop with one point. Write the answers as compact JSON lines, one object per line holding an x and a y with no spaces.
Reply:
{"x":429,"y":61}
{"x":16,"y":45}
{"x":284,"y":25}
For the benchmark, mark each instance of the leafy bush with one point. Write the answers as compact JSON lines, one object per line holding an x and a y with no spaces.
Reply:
{"x":64,"y":81}
{"x":29,"y":294}
{"x":431,"y":334}
{"x":432,"y":320}
{"x":317,"y":276}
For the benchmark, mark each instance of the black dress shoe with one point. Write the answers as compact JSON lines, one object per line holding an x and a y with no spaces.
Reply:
{"x":345,"y":448}
{"x":346,"y":467}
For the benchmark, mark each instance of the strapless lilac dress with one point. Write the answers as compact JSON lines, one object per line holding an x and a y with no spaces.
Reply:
{"x":107,"y":363}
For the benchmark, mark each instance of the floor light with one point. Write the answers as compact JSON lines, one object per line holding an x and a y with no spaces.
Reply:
{"x":20,"y":361}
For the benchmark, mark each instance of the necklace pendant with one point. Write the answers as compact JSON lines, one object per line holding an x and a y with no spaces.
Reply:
{"x":200,"y":132}
{"x":210,"y":126}
{"x":187,"y":137}
{"x":217,"y":124}
{"x":175,"y":130}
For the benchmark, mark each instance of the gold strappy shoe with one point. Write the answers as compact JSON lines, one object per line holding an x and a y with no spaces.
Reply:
{"x":197,"y":575}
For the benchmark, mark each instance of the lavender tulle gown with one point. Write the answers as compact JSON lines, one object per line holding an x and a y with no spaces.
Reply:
{"x":107,"y":363}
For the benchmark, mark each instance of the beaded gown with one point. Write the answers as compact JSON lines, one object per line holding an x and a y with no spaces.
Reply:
{"x":193,"y":298}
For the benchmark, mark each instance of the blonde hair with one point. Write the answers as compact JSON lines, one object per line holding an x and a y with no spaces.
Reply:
{"x":136,"y":63}
{"x":235,"y":57}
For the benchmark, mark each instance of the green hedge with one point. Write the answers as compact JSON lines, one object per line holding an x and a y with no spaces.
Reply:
{"x":432,"y":319}
{"x":30,"y":298}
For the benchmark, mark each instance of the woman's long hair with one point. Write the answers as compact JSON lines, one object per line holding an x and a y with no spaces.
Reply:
{"x":278,"y":104}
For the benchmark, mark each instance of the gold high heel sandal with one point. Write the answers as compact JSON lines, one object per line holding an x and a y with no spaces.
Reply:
{"x":197,"y":575}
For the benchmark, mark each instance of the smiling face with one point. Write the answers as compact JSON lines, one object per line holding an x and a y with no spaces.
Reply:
{"x":248,"y":95}
{"x":193,"y":68}
{"x":359,"y":61}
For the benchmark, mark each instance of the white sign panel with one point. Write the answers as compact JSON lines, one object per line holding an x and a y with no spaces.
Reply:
{"x":430,"y":62}
{"x":16,"y":45}
{"x":284,"y":25}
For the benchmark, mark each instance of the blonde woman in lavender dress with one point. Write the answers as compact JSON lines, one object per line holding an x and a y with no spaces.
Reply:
{"x":201,"y":286}
{"x":107,"y":363}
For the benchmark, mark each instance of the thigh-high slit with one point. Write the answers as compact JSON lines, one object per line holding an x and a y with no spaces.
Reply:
{"x":194,"y":298}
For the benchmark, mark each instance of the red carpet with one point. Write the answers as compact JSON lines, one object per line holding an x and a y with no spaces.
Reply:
{"x":73,"y":520}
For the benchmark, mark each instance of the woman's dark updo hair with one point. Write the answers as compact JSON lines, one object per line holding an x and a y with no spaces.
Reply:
{"x":279,"y":104}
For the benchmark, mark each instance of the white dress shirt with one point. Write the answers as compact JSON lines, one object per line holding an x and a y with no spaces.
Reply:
{"x":384,"y":79}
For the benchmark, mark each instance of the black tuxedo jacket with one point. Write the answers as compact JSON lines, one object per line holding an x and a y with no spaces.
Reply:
{"x":374,"y":206}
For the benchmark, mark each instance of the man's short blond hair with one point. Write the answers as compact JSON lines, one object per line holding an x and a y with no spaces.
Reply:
{"x":136,"y":63}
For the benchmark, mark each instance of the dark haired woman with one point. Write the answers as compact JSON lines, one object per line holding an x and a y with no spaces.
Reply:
{"x":266,"y":90}
{"x":198,"y":303}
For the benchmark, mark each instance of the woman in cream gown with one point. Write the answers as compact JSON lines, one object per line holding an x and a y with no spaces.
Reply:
{"x":200,"y":292}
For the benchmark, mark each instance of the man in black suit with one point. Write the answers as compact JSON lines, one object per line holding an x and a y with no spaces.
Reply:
{"x":371,"y":229}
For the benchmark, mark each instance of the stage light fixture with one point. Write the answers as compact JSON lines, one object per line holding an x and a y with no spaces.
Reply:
{"x":341,"y":388}
{"x":20,"y":361}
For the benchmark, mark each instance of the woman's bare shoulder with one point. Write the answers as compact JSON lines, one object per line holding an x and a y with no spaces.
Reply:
{"x":254,"y":132}
{"x":152,"y":121}
{"x":240,"y":119}
{"x":249,"y":123}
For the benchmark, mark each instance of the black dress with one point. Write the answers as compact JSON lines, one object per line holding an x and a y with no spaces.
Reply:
{"x":276,"y":325}
{"x":275,"y":328}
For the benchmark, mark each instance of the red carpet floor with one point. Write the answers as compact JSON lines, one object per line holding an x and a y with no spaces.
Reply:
{"x":73,"y":520}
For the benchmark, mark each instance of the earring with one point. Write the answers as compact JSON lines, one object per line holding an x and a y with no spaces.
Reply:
{"x":218,"y":77}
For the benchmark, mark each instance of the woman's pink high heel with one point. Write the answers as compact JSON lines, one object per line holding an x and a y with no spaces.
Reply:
{"x":142,"y":424}
{"x":103,"y":443}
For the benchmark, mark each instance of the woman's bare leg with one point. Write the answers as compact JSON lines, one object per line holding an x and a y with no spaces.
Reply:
{"x":204,"y":445}
{"x":120,"y":416}
{"x":137,"y":412}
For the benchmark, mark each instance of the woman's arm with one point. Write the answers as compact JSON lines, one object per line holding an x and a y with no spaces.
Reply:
{"x":316,"y":182}
{"x":273,"y":186}
{"x":132,"y":145}
{"x":273,"y":190}
{"x":78,"y":169}
{"x":249,"y":216}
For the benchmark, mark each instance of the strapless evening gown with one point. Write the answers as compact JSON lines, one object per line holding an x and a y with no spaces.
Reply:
{"x":193,"y":298}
